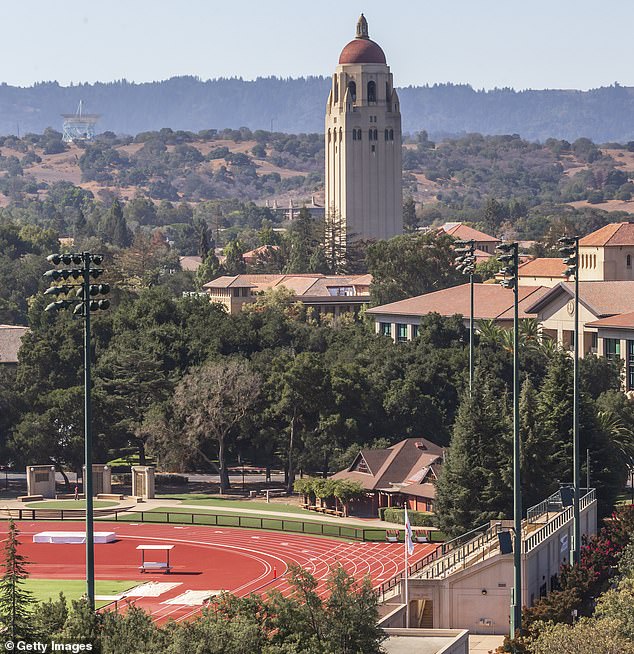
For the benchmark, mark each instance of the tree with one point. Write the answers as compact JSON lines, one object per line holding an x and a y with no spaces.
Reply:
{"x":411,"y":222}
{"x":475,"y":482}
{"x":211,"y":401}
{"x":114,"y":227}
{"x":587,"y":636}
{"x":15,"y":600}
{"x":209,"y":269}
{"x":410,"y":265}
{"x":303,"y":241}
{"x":234,"y":263}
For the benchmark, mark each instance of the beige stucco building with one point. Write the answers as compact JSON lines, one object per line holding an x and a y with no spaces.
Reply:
{"x":363,"y":145}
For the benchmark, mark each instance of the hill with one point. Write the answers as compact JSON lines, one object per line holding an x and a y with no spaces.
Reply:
{"x":297,"y":105}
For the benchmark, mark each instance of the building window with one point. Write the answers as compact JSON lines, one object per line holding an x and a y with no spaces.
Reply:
{"x":595,"y":342}
{"x":386,"y":328}
{"x":612,"y":348}
{"x":370,"y":134}
{"x":388,"y":93}
{"x":374,"y":148}
{"x":414,"y":331}
{"x":371,"y":91}
{"x":336,"y":90}
{"x":376,"y":134}
{"x":352,"y":87}
{"x":628,"y":261}
{"x":236,"y":292}
{"x":630,"y":365}
{"x":401,"y":333}
{"x":391,"y":135}
{"x":387,"y":134}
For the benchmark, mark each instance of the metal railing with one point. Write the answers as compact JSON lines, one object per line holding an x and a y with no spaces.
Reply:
{"x":371,"y":534}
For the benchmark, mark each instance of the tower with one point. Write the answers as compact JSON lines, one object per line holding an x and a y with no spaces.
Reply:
{"x":79,"y":126}
{"x":363,"y":144}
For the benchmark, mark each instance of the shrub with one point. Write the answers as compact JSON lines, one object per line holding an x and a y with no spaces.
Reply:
{"x":416,"y":518}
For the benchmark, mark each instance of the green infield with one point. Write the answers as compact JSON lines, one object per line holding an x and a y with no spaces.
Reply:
{"x":68,"y":504}
{"x":194,"y":499}
{"x":73,"y":589}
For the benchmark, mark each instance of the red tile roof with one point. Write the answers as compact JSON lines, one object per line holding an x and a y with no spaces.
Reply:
{"x":543,"y":267}
{"x":491,"y":301}
{"x":612,"y":235}
{"x":362,"y":51}
{"x":10,"y":341}
{"x":303,"y":285}
{"x":463,"y":232}
{"x":621,"y":321}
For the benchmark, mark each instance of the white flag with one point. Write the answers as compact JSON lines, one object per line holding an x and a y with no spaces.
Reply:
{"x":409,"y":539}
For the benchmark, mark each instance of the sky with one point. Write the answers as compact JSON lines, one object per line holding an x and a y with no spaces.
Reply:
{"x":486,"y":43}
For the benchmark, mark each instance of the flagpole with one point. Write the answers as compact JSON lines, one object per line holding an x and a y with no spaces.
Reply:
{"x":407,"y":543}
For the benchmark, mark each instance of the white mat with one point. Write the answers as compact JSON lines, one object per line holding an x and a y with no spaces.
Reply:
{"x":151,"y":589}
{"x":73,"y":537}
{"x":192,"y":597}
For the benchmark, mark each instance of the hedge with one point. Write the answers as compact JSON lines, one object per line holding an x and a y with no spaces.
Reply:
{"x":170,"y":479}
{"x":416,"y":518}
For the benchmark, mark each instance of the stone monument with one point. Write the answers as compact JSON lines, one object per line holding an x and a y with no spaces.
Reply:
{"x":143,"y":482}
{"x":40,"y":480}
{"x":101,"y":479}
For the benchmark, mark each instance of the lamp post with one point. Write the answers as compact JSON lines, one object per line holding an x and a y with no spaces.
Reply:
{"x":86,"y":301}
{"x":510,"y":258}
{"x":465,"y":263}
{"x":570,"y":252}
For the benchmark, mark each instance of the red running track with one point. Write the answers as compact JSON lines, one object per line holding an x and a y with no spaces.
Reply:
{"x":241,"y":561}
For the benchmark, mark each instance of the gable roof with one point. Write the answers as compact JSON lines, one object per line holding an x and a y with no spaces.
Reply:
{"x":491,"y":301}
{"x":396,"y":465}
{"x":611,"y":235}
{"x":601,"y":298}
{"x":543,"y":267}
{"x":10,"y":341}
{"x":463,"y":232}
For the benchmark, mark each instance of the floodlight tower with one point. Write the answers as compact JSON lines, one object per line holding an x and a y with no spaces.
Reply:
{"x":79,"y":126}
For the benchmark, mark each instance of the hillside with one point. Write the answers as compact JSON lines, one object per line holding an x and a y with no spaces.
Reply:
{"x":459,"y":175}
{"x":297,"y":105}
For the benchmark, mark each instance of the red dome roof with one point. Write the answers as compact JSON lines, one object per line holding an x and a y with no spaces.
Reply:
{"x":362,"y":51}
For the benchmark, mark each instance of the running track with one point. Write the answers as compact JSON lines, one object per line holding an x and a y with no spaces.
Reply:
{"x":241,"y":561}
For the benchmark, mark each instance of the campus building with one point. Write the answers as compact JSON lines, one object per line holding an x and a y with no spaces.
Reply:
{"x":363,"y":194}
{"x":606,"y":297}
{"x":404,"y":473}
{"x":326,"y":294}
{"x":10,"y":341}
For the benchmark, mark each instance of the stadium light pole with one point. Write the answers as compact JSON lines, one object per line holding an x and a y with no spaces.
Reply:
{"x":510,"y":258}
{"x":570,"y":252}
{"x":465,"y":263}
{"x":85,"y":302}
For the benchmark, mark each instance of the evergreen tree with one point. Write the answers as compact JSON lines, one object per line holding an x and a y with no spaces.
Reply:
{"x":475,"y":482}
{"x":303,"y":240}
{"x":15,"y":600}
{"x":204,"y":246}
{"x":534,"y":465}
{"x":209,"y":269}
{"x":411,"y":223}
{"x":80,"y":226}
{"x":114,"y":226}
{"x":234,"y":263}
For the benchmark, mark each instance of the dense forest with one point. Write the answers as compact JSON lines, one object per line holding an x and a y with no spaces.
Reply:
{"x":297,"y":105}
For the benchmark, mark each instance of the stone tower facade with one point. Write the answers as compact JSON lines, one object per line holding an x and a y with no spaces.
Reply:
{"x":363,"y":145}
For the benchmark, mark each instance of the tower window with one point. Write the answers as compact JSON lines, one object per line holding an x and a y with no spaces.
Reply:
{"x":391,"y":135}
{"x":371,"y":91}
{"x":352,"y":87}
{"x":375,"y":134}
{"x":354,"y":134}
{"x":387,"y":135}
{"x":370,"y":136}
{"x":336,"y":89}
{"x":388,"y":93}
{"x":628,"y":261}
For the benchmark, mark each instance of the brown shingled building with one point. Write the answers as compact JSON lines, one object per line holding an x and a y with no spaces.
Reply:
{"x":403,"y":473}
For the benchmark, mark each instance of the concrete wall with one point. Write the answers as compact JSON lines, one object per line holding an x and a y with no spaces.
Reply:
{"x":606,"y":263}
{"x":447,"y":641}
{"x":40,"y":480}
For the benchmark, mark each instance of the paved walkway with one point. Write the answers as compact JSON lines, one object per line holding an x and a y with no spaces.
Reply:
{"x":311,"y":516}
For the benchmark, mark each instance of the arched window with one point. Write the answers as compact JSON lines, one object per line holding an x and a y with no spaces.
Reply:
{"x":370,"y":137}
{"x":376,"y":134}
{"x":371,"y":91}
{"x":328,"y":136}
{"x":594,"y":260}
{"x":359,"y":134}
{"x":352,"y":87}
{"x":391,"y":135}
{"x":387,"y":134}
{"x":628,"y":261}
{"x":336,"y":89}
{"x":340,"y":133}
{"x":388,"y":93}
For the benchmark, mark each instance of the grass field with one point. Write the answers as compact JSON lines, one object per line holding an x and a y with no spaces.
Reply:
{"x":44,"y":589}
{"x":68,"y":504}
{"x":257,"y":505}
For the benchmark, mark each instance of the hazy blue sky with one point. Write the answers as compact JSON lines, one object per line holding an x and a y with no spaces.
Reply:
{"x":486,"y":43}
